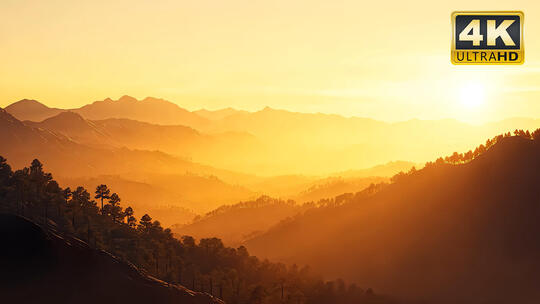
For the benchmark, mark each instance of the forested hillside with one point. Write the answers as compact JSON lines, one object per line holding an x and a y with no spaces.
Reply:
{"x":48,"y":266}
{"x":462,"y":230}
{"x":206,"y":265}
{"x":235,"y":224}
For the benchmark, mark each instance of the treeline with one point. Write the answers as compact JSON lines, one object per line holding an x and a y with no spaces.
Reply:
{"x":207,"y":265}
{"x":462,"y":158}
{"x":261,"y":201}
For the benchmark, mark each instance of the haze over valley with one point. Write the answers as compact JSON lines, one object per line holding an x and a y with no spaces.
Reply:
{"x":378,"y":220}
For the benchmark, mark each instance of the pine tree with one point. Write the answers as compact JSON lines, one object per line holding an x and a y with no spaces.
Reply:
{"x":102,"y":192}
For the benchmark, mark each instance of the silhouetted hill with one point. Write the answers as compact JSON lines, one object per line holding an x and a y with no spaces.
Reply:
{"x":206,"y":187}
{"x":446,"y":234}
{"x":24,"y":142}
{"x":27,"y":109}
{"x":152,"y":110}
{"x":334,"y":186}
{"x":236,"y":223}
{"x":221,"y":150}
{"x":385,"y":170}
{"x":200,"y":193}
{"x":45,"y":267}
{"x":304,"y":188}
{"x":20,"y":141}
{"x":279,"y":142}
{"x":78,"y":129}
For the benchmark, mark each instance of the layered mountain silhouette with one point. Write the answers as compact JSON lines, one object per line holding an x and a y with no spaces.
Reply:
{"x":334,"y":186}
{"x":278,"y":142}
{"x":23,"y":142}
{"x":152,"y":110}
{"x":444,"y":234}
{"x":216,"y":149}
{"x":236,"y":223}
{"x":41,"y":266}
{"x":75,"y":163}
{"x":122,"y":152}
{"x":78,"y":129}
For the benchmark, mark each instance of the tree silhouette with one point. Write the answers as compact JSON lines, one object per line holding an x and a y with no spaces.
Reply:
{"x":5,"y":176}
{"x":536,"y":134}
{"x":145,"y":224}
{"x":113,"y":208}
{"x":131,"y":221}
{"x":102,"y":192}
{"x":80,"y":201}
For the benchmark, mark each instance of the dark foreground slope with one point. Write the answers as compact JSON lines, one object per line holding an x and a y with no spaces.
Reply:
{"x":466,"y":233}
{"x":40,"y":267}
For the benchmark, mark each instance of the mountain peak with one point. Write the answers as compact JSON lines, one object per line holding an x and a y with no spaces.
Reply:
{"x":127,"y":98}
{"x":28,"y":104}
{"x":30,"y":109}
{"x":66,"y":122}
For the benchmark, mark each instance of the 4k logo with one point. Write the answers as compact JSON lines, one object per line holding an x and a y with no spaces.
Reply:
{"x":487,"y":38}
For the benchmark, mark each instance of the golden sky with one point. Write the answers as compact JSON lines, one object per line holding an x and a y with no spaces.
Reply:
{"x":389,"y":60}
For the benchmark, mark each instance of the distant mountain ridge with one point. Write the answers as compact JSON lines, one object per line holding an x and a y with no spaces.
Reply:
{"x":152,"y":110}
{"x":70,"y":160}
{"x":177,"y":140}
{"x":291,"y":143}
{"x":149,"y":109}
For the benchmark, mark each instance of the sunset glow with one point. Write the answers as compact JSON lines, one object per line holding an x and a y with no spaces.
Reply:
{"x":269,"y":152}
{"x":297,"y":56}
{"x":472,"y":95}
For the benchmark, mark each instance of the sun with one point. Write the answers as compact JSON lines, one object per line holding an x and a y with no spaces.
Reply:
{"x":472,"y":95}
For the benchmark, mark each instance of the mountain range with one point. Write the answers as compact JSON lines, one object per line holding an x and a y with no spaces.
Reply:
{"x":452,"y":231}
{"x":126,"y":154}
{"x":129,"y":169}
{"x":217,"y":149}
{"x":270,"y":142}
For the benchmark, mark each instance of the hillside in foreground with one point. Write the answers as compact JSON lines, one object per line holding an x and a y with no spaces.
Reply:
{"x":449,"y":233}
{"x":40,"y":266}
